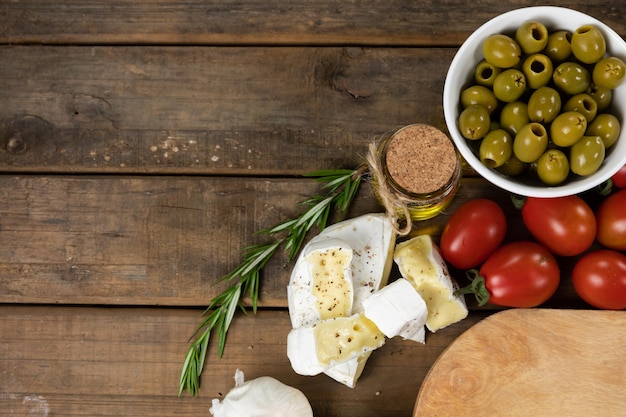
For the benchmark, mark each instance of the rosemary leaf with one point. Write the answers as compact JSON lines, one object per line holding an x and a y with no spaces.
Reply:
{"x":341,"y":187}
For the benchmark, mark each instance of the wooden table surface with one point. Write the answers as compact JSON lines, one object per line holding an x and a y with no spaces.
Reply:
{"x":142,"y":143}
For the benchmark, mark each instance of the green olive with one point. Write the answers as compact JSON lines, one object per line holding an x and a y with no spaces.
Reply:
{"x":512,"y":167}
{"x":509,"y":85}
{"x":496,"y":148}
{"x":479,"y":94}
{"x":501,"y":51}
{"x":485,"y":73}
{"x":553,"y":167}
{"x":559,"y":47}
{"x":530,"y":142}
{"x":571,"y":77}
{"x":474,"y":122}
{"x":538,"y":70}
{"x":544,"y":105}
{"x":513,"y":116}
{"x":568,"y":128}
{"x":609,"y":72}
{"x":602,"y":96}
{"x":583,"y":104}
{"x":588,"y":44}
{"x":586,"y":155}
{"x":532,"y":36}
{"x":607,"y":127}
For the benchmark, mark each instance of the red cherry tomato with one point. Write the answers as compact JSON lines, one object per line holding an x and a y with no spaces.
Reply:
{"x":600,"y":279}
{"x":519,"y":274}
{"x":473,"y":232}
{"x":564,"y":225}
{"x":611,"y":221}
{"x":619,"y":178}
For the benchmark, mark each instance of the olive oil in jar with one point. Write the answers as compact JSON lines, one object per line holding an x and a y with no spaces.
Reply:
{"x":420,"y":167}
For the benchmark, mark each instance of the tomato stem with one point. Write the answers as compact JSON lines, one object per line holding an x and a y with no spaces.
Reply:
{"x":476,"y":287}
{"x":518,"y":201}
{"x":605,"y":188}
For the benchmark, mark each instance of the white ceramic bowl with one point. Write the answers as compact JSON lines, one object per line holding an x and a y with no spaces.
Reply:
{"x":460,"y":76}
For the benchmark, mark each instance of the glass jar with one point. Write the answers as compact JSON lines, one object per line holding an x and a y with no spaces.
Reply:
{"x":420,"y":168}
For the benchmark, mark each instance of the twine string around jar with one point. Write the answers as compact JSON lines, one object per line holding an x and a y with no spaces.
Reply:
{"x":392,"y":202}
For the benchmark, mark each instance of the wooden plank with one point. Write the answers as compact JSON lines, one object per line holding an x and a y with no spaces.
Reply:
{"x":197,"y":110}
{"x":110,"y":240}
{"x":93,"y":361}
{"x":394,"y":22}
{"x":162,"y":240}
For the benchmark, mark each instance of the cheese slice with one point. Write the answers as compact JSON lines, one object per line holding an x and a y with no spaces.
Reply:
{"x":420,"y":262}
{"x":398,"y":310}
{"x":372,"y":237}
{"x":316,"y":348}
{"x":321,"y":282}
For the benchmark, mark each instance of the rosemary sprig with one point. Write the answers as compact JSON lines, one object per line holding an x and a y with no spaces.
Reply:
{"x":340,"y":188}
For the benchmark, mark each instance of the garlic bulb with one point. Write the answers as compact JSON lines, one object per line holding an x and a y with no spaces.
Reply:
{"x":261,"y":397}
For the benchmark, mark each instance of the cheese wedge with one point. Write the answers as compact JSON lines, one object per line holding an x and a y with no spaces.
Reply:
{"x":321,"y":282}
{"x":420,"y":262}
{"x":316,"y":348}
{"x":398,"y":310}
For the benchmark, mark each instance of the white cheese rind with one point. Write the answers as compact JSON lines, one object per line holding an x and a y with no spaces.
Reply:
{"x":398,"y":310}
{"x":420,"y":262}
{"x":348,"y":372}
{"x":302,"y":353}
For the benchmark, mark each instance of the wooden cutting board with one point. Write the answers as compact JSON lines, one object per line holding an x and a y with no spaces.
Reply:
{"x":532,"y":362}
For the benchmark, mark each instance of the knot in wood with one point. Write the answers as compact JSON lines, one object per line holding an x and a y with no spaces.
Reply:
{"x":16,"y":144}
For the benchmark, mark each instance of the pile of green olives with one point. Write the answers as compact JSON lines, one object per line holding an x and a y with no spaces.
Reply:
{"x":539,"y":103}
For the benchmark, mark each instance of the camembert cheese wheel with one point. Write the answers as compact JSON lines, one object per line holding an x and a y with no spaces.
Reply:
{"x":371,"y":238}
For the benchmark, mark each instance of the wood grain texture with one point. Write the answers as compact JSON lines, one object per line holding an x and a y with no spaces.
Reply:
{"x":157,"y":240}
{"x":532,"y":362}
{"x":208,"y":110}
{"x":144,"y":142}
{"x":100,"y":361}
{"x":254,"y":22}
{"x":164,"y":240}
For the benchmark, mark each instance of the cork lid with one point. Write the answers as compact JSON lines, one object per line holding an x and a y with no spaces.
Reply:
{"x":420,"y":158}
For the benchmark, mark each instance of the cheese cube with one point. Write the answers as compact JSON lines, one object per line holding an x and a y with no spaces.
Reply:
{"x":420,"y":262}
{"x":398,"y":310}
